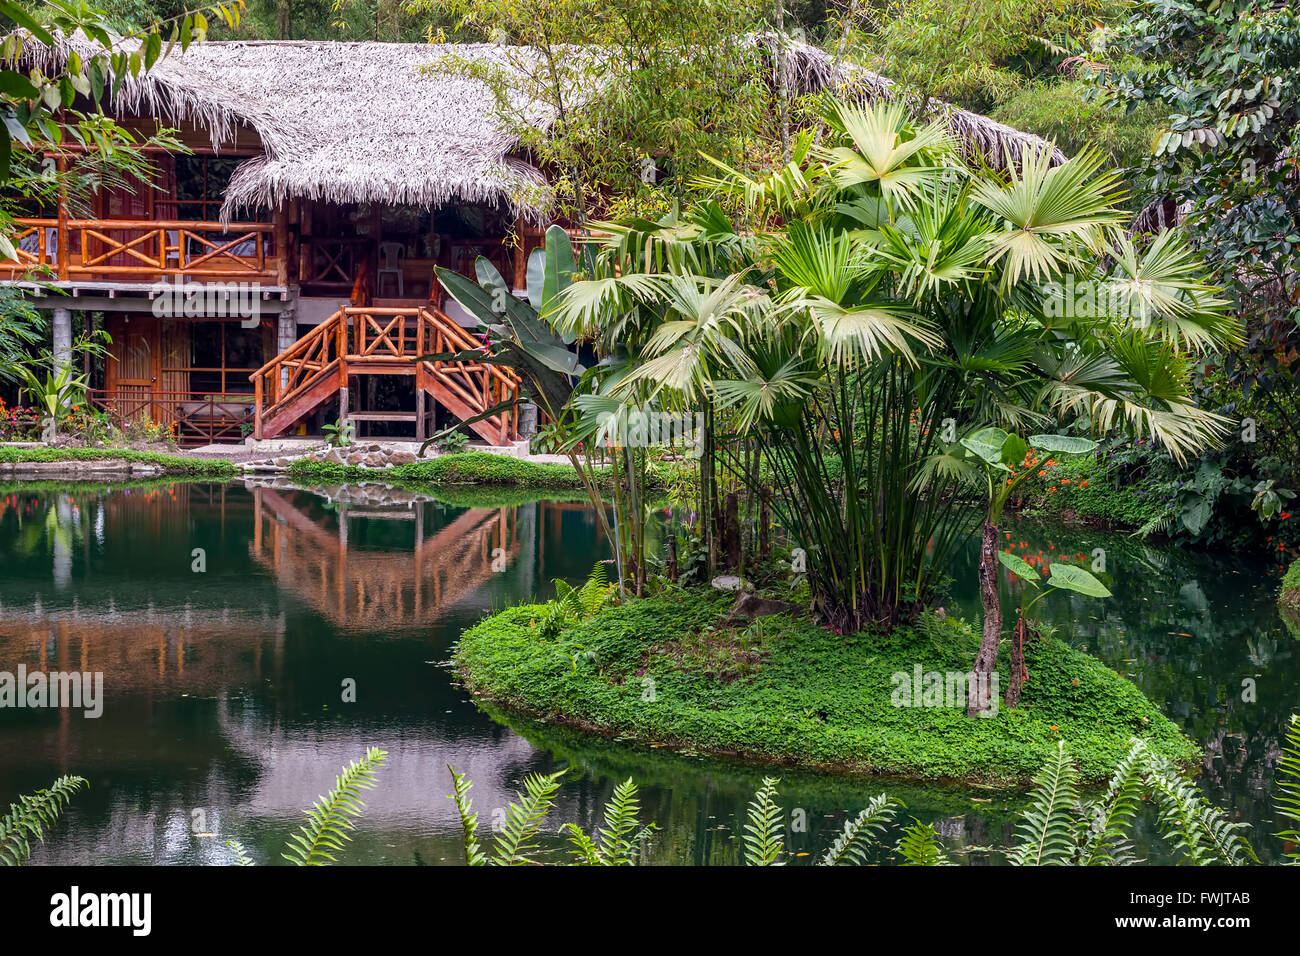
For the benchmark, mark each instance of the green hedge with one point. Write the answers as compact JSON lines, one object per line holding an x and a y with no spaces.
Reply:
{"x":792,"y":693}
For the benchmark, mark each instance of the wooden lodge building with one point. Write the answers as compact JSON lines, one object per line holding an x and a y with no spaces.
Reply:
{"x":279,"y":275}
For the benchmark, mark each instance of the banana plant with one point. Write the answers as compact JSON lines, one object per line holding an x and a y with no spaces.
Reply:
{"x":517,"y":335}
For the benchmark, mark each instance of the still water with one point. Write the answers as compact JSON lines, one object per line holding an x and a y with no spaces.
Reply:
{"x":227,"y":620}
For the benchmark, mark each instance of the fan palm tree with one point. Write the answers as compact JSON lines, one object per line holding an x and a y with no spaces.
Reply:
{"x":909,"y":301}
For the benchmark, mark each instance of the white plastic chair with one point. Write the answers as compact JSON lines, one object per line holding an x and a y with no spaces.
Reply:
{"x":391,"y":255}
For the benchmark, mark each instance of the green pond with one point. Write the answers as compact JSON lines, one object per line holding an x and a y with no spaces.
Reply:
{"x":229,"y":621}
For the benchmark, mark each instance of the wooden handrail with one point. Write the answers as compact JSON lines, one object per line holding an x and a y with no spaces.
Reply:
{"x":378,"y":339}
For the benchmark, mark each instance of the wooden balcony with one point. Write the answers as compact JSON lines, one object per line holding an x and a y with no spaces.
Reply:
{"x":123,"y":250}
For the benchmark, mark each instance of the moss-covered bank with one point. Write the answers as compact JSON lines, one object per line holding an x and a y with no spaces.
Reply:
{"x":785,"y":692}
{"x":469,"y":468}
{"x":169,"y":465}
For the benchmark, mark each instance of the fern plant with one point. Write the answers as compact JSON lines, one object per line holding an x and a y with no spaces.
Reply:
{"x":1288,"y":799}
{"x":32,"y":817}
{"x":618,"y":843}
{"x":1047,"y":828}
{"x":763,"y":835}
{"x":329,"y":820}
{"x":920,"y":846}
{"x":576,"y":604}
{"x":1059,"y":829}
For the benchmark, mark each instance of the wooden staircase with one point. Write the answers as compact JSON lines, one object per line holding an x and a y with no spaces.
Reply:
{"x":383,"y":341}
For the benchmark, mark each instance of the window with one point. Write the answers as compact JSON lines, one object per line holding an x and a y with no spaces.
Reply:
{"x":201,"y":183}
{"x":223,"y":355}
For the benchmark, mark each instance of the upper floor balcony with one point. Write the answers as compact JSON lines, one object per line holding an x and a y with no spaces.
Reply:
{"x":127,"y":250}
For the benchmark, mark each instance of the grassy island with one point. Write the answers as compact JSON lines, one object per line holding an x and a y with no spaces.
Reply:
{"x":668,"y":670}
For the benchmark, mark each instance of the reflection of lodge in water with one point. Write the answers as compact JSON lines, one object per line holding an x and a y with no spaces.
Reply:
{"x":360,"y":588}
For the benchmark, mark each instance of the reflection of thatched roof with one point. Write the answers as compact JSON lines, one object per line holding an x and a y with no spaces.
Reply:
{"x":371,"y":122}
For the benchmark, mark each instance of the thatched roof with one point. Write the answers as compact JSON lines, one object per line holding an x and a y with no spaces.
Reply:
{"x":379,"y":122}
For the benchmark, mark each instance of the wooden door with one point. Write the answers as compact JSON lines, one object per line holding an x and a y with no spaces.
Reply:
{"x":134,"y":369}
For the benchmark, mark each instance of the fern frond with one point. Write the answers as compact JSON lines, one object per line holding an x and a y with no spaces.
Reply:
{"x":764,"y":841}
{"x":584,"y":850}
{"x":1107,"y":822}
{"x":461,"y":786}
{"x":1046,"y":830}
{"x":1288,"y":785}
{"x":620,"y":838}
{"x":524,"y":819}
{"x":241,"y":855}
{"x":1157,"y":525}
{"x":920,"y":846}
{"x":32,"y":816}
{"x":860,"y":832}
{"x":1199,"y":832}
{"x":330,"y":818}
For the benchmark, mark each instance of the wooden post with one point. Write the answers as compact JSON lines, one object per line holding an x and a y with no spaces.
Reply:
{"x":64,"y":237}
{"x":257,"y":413}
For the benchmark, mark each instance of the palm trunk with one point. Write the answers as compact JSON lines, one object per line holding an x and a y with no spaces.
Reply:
{"x":979,"y":693}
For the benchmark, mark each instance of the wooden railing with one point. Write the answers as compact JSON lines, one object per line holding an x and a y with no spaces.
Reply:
{"x":378,"y":341}
{"x":195,"y":418}
{"x":126,"y":249}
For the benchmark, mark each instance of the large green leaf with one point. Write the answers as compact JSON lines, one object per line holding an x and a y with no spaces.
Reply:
{"x":1014,"y":450}
{"x":476,"y":301}
{"x":491,"y":281}
{"x":536,"y":277}
{"x":1019,"y":567}
{"x":1063,"y":444}
{"x":560,"y":264}
{"x":986,"y":444}
{"x":1071,"y":578}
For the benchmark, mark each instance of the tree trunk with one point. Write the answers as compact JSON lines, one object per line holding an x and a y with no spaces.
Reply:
{"x":986,"y":662}
{"x":731,"y":531}
{"x":1017,"y":674}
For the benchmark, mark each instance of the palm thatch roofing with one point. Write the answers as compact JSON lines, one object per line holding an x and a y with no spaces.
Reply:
{"x":382,"y":122}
